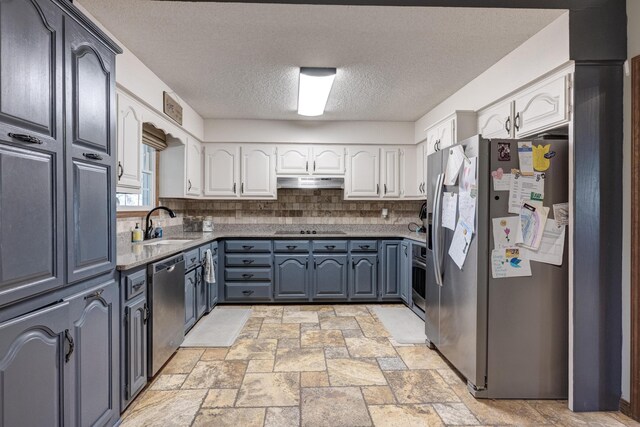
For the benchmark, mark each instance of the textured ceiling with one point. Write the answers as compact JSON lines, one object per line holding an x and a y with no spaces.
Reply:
{"x":231,"y":60}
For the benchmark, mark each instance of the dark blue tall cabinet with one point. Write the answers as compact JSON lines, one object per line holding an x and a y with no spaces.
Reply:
{"x":59,"y":304}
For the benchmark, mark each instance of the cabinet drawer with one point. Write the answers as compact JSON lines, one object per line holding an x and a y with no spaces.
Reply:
{"x":136,"y":283}
{"x":248,"y":260}
{"x":329,"y":246}
{"x":247,"y":291}
{"x":247,"y":274}
{"x":191,"y":259}
{"x":248,"y":246}
{"x":363,"y":246}
{"x":291,"y":246}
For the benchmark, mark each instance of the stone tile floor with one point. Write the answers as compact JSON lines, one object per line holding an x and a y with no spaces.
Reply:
{"x":328,"y":365}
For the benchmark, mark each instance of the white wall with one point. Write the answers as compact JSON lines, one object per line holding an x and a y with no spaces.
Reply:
{"x":633,"y":40}
{"x":542,"y":53}
{"x":308,"y":131}
{"x":140,"y":81}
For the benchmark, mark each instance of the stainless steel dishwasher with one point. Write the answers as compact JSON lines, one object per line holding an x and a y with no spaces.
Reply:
{"x":166,"y":293}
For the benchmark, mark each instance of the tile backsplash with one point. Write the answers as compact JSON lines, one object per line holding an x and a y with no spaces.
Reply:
{"x":293,"y":206}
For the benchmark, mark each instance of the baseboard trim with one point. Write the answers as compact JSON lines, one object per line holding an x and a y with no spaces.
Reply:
{"x":625,"y":408}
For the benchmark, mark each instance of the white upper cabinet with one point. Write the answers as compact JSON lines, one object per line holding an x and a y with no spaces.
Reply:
{"x":194,"y":168}
{"x":293,"y":160}
{"x":390,"y":176}
{"x":542,"y":107}
{"x":258,"y":171}
{"x":455,"y":128}
{"x":327,"y":160}
{"x":129,"y":145}
{"x":411,"y":174}
{"x":496,"y":121}
{"x":221,"y":170}
{"x":363,"y":173}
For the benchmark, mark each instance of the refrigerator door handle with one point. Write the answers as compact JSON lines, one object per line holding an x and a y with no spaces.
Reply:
{"x":437,"y":230}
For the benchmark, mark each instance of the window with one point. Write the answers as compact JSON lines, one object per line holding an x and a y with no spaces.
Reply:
{"x":146,"y":198}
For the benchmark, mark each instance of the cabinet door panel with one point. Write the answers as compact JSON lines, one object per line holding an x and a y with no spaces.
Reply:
{"x":258,"y":172}
{"x":194,"y":168}
{"x":542,"y":107}
{"x":32,"y":252}
{"x":330,"y":276}
{"x":201,"y":293}
{"x":221,"y":170}
{"x":390,"y":173}
{"x":33,"y":372}
{"x":30,"y":67}
{"x":390,"y":270}
{"x":291,"y":276}
{"x":129,"y":145}
{"x":328,"y":161}
{"x":90,"y":100}
{"x":292,"y":160}
{"x":405,"y":273}
{"x":94,"y":314}
{"x":189,"y":299}
{"x":363,"y":281}
{"x":136,"y":347}
{"x":496,"y":121}
{"x":90,"y":242}
{"x":363,"y":173}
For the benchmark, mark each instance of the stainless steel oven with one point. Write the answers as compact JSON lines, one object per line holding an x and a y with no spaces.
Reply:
{"x":419,"y":276}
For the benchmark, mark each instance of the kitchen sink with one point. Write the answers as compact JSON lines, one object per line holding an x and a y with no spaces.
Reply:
{"x":166,"y":242}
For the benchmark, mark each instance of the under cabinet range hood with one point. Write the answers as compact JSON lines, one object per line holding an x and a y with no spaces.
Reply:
{"x":309,"y":182}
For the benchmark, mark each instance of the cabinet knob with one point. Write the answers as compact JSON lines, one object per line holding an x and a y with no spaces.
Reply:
{"x":25,"y":138}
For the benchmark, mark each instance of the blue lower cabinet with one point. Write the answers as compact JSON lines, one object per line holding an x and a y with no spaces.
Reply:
{"x":390,"y":270}
{"x":330,"y":274}
{"x":34,"y":368}
{"x":291,"y":276}
{"x":94,"y":315}
{"x":190,"y":312}
{"x":405,"y":272}
{"x":135,"y":348}
{"x":213,"y":287}
{"x":247,"y":291}
{"x":363,"y":276}
{"x":201,"y":293}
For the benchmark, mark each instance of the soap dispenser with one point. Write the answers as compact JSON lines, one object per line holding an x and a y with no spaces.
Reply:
{"x":136,"y":234}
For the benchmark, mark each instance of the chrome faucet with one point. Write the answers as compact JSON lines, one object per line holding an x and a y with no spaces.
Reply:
{"x":148,"y":231}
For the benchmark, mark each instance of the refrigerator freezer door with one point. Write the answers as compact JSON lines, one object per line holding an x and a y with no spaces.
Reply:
{"x":463,"y":293}
{"x":528,"y":316}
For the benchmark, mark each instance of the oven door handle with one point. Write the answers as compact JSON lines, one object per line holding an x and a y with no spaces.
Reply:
{"x":437,"y":239}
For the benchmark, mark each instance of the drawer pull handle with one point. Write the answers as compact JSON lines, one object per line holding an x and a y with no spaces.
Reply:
{"x":25,"y":138}
{"x":247,"y":293}
{"x":96,"y":295}
{"x":247,"y":247}
{"x":364,"y":246}
{"x":92,"y":156}
{"x":291,"y":247}
{"x":137,"y":286}
{"x":247,"y":261}
{"x":247,"y":276}
{"x":330,"y":247}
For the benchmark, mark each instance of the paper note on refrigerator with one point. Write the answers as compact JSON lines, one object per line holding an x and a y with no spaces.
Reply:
{"x":454,"y":163}
{"x":507,"y":262}
{"x":506,"y":232}
{"x":449,"y":210}
{"x":533,"y":217}
{"x":468,"y":176}
{"x":502,"y":183}
{"x":522,"y":188}
{"x":467,"y":209}
{"x":525,"y":156}
{"x":561,"y":213}
{"x":460,"y":243}
{"x":551,"y":248}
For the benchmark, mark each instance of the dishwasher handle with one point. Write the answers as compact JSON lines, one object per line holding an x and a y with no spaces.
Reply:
{"x":168,"y":265}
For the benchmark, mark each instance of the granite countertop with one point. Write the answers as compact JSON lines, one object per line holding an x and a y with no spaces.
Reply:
{"x":131,"y":255}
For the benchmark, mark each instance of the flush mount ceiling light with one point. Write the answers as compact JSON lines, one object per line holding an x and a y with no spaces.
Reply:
{"x":314,"y":88}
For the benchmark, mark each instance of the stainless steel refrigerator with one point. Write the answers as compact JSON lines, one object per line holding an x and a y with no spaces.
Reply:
{"x":508,"y":337}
